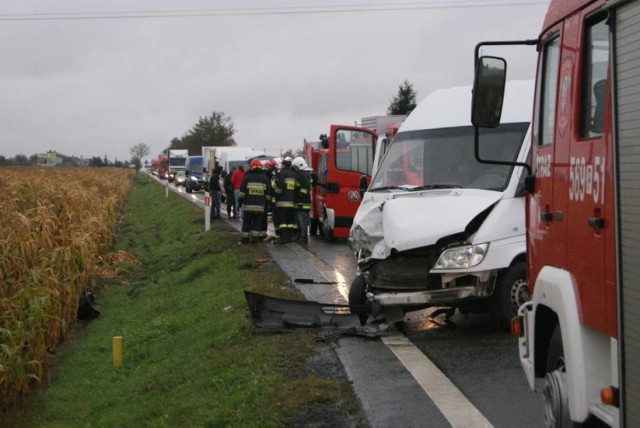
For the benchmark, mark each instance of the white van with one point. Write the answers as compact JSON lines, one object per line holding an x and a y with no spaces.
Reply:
{"x":229,"y":157}
{"x":438,"y":228}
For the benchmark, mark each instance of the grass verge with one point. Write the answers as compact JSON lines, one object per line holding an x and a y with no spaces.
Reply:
{"x":190,"y":354}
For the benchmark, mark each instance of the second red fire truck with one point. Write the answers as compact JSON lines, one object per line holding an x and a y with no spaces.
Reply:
{"x":339,"y":160}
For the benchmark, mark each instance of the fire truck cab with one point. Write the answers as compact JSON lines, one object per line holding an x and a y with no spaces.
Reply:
{"x":339,"y":160}
{"x":579,"y":336}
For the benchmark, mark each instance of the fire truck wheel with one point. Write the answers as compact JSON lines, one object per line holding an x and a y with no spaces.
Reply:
{"x":327,"y":231}
{"x":556,"y":402}
{"x":358,"y":298}
{"x":512,"y":290}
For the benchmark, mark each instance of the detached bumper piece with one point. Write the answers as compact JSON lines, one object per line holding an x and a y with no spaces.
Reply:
{"x":277,"y":314}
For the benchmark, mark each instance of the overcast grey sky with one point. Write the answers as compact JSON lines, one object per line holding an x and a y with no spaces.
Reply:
{"x":95,"y":87}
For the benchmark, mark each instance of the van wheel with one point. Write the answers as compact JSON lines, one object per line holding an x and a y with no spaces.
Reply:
{"x":358,"y":299}
{"x":556,"y":401}
{"x":512,"y":291}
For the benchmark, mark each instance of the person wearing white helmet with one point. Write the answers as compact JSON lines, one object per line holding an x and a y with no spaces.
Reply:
{"x":299,"y":163}
{"x":302,"y":198}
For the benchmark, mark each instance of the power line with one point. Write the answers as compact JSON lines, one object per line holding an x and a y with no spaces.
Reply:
{"x":265,"y":11}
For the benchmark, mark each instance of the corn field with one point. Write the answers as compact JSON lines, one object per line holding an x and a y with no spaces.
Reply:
{"x":54,"y":225}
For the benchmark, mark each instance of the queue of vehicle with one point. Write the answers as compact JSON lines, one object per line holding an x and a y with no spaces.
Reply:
{"x":537,"y":218}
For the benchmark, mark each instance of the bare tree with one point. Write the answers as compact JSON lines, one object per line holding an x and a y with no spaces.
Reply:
{"x":137,"y":152}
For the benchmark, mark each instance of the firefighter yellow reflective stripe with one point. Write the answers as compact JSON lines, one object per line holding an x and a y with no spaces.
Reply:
{"x":254,"y":208}
{"x":284,"y":204}
{"x":290,"y":183}
{"x":257,"y":189}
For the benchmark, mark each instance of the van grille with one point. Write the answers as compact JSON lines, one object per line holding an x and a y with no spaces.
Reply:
{"x":404,"y":274}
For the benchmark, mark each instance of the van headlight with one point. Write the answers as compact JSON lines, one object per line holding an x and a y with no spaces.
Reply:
{"x":464,"y":257}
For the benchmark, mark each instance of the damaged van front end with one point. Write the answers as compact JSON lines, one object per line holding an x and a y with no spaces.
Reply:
{"x":438,"y":228}
{"x":413,"y":262}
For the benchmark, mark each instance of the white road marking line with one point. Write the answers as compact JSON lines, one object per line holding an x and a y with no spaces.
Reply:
{"x":457,"y":408}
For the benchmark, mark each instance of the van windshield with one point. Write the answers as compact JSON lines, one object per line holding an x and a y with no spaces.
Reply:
{"x":444,"y":158}
{"x":195,"y":166}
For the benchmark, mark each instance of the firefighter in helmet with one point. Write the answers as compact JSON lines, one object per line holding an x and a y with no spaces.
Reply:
{"x":284,"y":189}
{"x":254,"y":195}
{"x":302,"y":198}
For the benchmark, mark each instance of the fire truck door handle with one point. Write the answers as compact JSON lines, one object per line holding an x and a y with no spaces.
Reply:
{"x":596,"y":222}
{"x":546,"y":216}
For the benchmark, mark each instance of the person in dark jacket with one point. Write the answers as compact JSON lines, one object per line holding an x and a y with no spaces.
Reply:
{"x":228,"y":190}
{"x":269,"y":168}
{"x":214,"y":192}
{"x":285,"y":186}
{"x":302,"y":198}
{"x":274,"y":170}
{"x":253,"y":197}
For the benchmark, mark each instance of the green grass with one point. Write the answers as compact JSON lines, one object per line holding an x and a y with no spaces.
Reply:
{"x":190,"y":354}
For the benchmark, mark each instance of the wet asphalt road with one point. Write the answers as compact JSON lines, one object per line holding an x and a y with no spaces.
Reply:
{"x":480,"y":361}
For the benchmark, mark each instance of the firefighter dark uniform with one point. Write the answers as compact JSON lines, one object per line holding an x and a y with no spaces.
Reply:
{"x":302,"y":198}
{"x":270,"y":169}
{"x":284,"y":189}
{"x":254,"y":195}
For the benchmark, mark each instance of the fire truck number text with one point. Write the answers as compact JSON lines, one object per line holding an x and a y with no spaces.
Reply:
{"x":586,"y":179}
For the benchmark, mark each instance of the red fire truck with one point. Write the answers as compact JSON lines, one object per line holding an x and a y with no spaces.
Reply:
{"x":163,"y":163}
{"x":339,"y":160}
{"x":579,"y":336}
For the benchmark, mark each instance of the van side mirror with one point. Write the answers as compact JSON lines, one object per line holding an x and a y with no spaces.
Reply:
{"x":530,"y":184}
{"x":488,"y":92}
{"x":363,"y":184}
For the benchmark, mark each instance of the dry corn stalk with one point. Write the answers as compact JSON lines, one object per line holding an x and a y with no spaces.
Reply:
{"x":54,"y":225}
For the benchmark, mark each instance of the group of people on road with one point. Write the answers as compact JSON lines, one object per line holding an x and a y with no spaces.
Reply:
{"x":282,"y":187}
{"x":291,"y":200}
{"x":231,"y":182}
